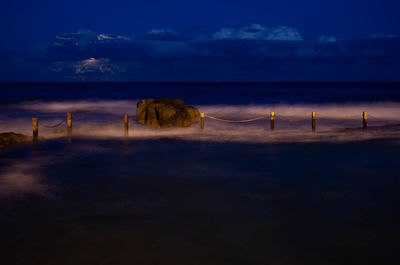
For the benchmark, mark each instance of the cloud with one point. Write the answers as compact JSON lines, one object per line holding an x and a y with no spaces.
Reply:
{"x":162,"y":35}
{"x":326,"y":39}
{"x":154,"y":45}
{"x":283,"y":33}
{"x":383,"y":36}
{"x":259,"y":32}
{"x":108,"y":37}
{"x":225,"y":33}
{"x":91,"y":65}
{"x":84,"y":39}
{"x":254,"y":52}
{"x":81,"y":39}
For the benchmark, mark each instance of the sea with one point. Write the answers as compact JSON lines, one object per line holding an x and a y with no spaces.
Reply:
{"x":241,"y":190}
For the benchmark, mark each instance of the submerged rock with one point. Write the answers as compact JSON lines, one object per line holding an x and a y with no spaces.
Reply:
{"x":166,"y":112}
{"x":10,"y":138}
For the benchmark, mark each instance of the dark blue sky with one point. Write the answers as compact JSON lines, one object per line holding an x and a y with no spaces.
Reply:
{"x":153,"y":40}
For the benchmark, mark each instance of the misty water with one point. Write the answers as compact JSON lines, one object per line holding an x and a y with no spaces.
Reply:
{"x":229,"y":194}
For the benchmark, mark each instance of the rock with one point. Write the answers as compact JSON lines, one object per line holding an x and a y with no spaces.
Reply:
{"x":10,"y":138}
{"x":166,"y":112}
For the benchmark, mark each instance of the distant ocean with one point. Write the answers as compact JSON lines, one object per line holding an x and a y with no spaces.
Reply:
{"x":208,"y":93}
{"x":233,"y":193}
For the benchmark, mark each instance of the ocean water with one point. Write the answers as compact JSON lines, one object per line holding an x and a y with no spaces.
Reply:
{"x":233,"y":193}
{"x":98,"y":109}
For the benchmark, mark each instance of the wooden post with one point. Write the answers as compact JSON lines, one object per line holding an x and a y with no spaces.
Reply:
{"x":202,"y":120}
{"x":272,"y":121}
{"x":313,"y":123}
{"x":69,"y":120}
{"x":69,"y":126}
{"x":35,"y":128}
{"x":126,"y":125}
{"x":364,"y":121}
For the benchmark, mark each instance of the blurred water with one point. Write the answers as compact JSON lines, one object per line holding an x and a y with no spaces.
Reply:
{"x":94,"y":118}
{"x":228,"y":194}
{"x":98,"y":109}
{"x":171,"y":201}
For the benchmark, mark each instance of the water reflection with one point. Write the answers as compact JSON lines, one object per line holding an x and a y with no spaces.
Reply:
{"x":149,"y":201}
{"x":24,"y":176}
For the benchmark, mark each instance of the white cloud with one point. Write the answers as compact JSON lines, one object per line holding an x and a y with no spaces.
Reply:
{"x":84,"y":37}
{"x":105,"y":37}
{"x":225,"y":33}
{"x":259,"y":32}
{"x":283,"y":33}
{"x":253,"y":32}
{"x":91,"y":65}
{"x":326,"y":39}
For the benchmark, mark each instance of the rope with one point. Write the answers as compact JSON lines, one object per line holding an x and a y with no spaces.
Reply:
{"x":52,"y":126}
{"x":224,"y":120}
{"x":355,"y":117}
{"x":101,"y":124}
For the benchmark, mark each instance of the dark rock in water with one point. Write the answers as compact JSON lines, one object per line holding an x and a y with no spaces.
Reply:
{"x":166,"y":112}
{"x":10,"y":138}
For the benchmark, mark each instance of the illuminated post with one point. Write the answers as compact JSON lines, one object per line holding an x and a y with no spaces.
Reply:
{"x":272,"y":121}
{"x":69,"y":120}
{"x":126,"y":126}
{"x":364,"y":121}
{"x":69,"y":126}
{"x":35,"y":128}
{"x":313,"y":123}
{"x":202,"y":120}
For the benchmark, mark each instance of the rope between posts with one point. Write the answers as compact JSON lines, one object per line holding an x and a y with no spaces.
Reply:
{"x":225,"y":120}
{"x":52,"y":126}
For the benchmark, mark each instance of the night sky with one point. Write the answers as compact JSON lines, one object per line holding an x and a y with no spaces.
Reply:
{"x":286,"y":40}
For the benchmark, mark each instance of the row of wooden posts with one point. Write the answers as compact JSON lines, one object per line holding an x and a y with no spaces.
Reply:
{"x":35,"y":123}
{"x":313,"y":120}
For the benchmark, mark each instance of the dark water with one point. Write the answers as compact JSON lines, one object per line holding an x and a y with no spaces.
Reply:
{"x":178,"y":202}
{"x":166,"y":200}
{"x":208,"y":93}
